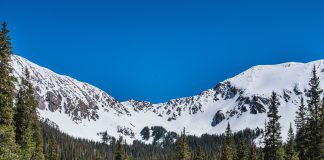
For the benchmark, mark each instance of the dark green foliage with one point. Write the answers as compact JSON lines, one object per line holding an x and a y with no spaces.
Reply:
{"x":290,"y":153}
{"x":23,"y":119}
{"x":169,"y":138}
{"x":38,"y":152}
{"x":314,"y":131}
{"x":182,"y":148}
{"x":199,"y":154}
{"x":273,"y":144}
{"x":253,"y":152}
{"x":242,"y":150}
{"x":228,"y":152}
{"x":301,"y":125}
{"x":28,"y":130}
{"x":81,"y":149}
{"x":23,"y":122}
{"x":119,"y":154}
{"x":322,"y":128}
{"x":52,"y":149}
{"x":145,"y":133}
{"x":98,"y":156}
{"x":8,"y":147}
{"x":158,"y":132}
{"x":104,"y":137}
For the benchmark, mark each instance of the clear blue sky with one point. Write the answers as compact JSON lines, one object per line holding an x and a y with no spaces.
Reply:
{"x":161,"y":49}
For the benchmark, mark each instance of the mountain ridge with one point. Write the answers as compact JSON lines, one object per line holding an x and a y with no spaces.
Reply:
{"x":82,"y":110}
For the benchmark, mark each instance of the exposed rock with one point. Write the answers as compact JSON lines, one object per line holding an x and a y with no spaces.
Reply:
{"x":286,"y":95}
{"x":297,"y":90}
{"x":255,"y":103}
{"x":218,"y":117}
{"x":39,"y":101}
{"x":54,"y":101}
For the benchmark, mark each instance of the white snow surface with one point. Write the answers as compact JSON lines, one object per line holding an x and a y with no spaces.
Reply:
{"x":133,"y":115}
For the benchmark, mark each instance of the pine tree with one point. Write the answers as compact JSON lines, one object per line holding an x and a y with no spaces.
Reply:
{"x":145,"y":133}
{"x":322,"y":128}
{"x":253,"y":153}
{"x":38,"y":152}
{"x":314,"y":107}
{"x":23,"y":121}
{"x":228,"y":152}
{"x":301,"y":125}
{"x":119,"y":154}
{"x":273,"y":144}
{"x":199,"y":155}
{"x":290,"y":153}
{"x":126,"y":156}
{"x":98,"y":156}
{"x":242,"y":151}
{"x":182,"y":148}
{"x":8,"y":147}
{"x":52,"y":149}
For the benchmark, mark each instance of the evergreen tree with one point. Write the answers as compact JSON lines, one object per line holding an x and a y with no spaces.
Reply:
{"x":322,"y":128}
{"x":38,"y":152}
{"x":261,"y":156}
{"x":8,"y":147}
{"x":53,"y":150}
{"x":301,"y":125}
{"x":228,"y":152}
{"x":199,"y":155}
{"x":119,"y":154}
{"x":23,"y":121}
{"x":290,"y":153}
{"x":104,"y":137}
{"x":182,"y":148}
{"x":145,"y":133}
{"x":126,"y":156}
{"x":314,"y":130}
{"x":253,"y":153}
{"x":98,"y":156}
{"x":242,"y":151}
{"x":273,"y":144}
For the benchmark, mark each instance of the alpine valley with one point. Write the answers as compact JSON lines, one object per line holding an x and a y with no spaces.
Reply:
{"x":82,"y":110}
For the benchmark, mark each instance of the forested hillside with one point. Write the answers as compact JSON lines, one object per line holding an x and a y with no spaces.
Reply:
{"x":82,"y":149}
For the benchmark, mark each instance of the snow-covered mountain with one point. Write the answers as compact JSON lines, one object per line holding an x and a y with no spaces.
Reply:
{"x":82,"y":110}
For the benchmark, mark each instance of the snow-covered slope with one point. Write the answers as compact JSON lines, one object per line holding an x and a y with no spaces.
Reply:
{"x":83,"y":110}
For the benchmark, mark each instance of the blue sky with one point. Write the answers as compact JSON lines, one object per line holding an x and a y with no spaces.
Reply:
{"x":158,"y":50}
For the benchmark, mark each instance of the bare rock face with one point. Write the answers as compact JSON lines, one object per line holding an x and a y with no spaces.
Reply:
{"x":219,"y":116}
{"x":54,"y":101}
{"x":39,"y":101}
{"x":226,"y":90}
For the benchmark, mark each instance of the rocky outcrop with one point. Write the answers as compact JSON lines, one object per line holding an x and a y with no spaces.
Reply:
{"x":219,"y":116}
